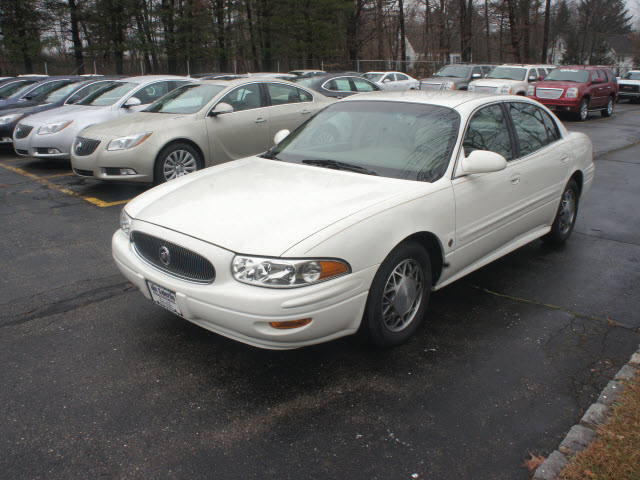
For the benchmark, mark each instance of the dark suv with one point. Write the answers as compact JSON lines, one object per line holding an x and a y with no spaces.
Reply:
{"x":577,"y":89}
{"x":454,"y":77}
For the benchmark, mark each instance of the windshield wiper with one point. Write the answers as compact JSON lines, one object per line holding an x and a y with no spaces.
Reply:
{"x":339,"y":166}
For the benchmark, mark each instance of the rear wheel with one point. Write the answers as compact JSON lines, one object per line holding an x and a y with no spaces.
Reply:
{"x":176,"y":160}
{"x":565,"y":216}
{"x":608,"y":110}
{"x":398,"y":296}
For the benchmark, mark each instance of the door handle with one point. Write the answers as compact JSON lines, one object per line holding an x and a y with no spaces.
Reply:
{"x":260,"y":119}
{"x":565,"y":159}
{"x":304,"y":112}
{"x":515,"y":179}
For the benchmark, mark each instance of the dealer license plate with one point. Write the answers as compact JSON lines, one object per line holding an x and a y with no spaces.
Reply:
{"x":164,"y":297}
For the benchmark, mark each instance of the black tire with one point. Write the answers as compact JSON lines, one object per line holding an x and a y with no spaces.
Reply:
{"x":561,"y":229}
{"x":583,"y":112}
{"x":377,"y":328}
{"x":608,"y":109}
{"x":184,"y":157}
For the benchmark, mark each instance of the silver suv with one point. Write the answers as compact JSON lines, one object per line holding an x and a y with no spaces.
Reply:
{"x":455,"y":77}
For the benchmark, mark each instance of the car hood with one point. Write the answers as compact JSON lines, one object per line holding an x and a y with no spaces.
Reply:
{"x":495,"y":82}
{"x":262,"y":207}
{"x":77,"y":113}
{"x":27,"y":109}
{"x":20,"y":105}
{"x":134,"y":123}
{"x":628,"y":82}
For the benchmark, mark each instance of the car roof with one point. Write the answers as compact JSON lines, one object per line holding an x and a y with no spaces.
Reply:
{"x":442,"y":98}
{"x":584,"y":67}
{"x":242,"y":81}
{"x":152,"y":78}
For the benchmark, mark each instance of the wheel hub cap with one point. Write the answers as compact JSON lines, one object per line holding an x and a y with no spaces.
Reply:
{"x":179,"y":163}
{"x":402,"y":295}
{"x":567,"y":211}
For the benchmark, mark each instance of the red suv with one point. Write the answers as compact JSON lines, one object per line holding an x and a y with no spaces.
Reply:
{"x":577,"y":89}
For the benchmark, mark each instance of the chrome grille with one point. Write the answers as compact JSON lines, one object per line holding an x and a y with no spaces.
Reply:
{"x":630,"y":88}
{"x":486,"y":89}
{"x":550,"y":93}
{"x":430,"y":86}
{"x":179,"y":262}
{"x":22,"y":131}
{"x":85,"y":146}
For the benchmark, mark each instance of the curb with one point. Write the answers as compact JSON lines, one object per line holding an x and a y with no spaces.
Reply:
{"x":582,"y":434}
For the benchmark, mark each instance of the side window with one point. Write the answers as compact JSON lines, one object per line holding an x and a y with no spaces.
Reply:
{"x":89,"y":89}
{"x":180,"y":83}
{"x":151,"y":93}
{"x":603,"y":76}
{"x":305,"y":96}
{"x":244,"y":98}
{"x":531,"y":130}
{"x":552,"y":128}
{"x":401,"y":76}
{"x":283,"y":94}
{"x":364,"y":86}
{"x":476,"y":70}
{"x":532,"y":76}
{"x":338,"y":85}
{"x":542,"y":73}
{"x":488,"y":131}
{"x":391,"y":77}
{"x":485,"y":70}
{"x":594,"y":75}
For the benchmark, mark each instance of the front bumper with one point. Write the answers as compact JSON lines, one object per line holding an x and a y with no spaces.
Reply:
{"x":560,"y":104}
{"x":244,"y":312}
{"x":623,"y":94}
{"x":37,"y":146}
{"x":103,"y":164}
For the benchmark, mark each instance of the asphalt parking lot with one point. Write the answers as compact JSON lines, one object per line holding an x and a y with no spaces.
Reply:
{"x":100,"y":383}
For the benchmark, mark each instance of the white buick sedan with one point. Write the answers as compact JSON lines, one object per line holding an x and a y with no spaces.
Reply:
{"x":349,"y":222}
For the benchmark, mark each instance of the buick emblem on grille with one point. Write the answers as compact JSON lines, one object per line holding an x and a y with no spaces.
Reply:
{"x":165,"y":256}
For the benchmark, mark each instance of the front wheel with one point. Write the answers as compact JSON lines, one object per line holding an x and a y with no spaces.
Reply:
{"x":398,"y":296}
{"x":175,"y":161}
{"x":565,"y":216}
{"x":608,"y":110}
{"x":583,"y":113}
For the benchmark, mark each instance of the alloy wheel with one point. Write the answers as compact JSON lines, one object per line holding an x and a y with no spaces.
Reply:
{"x":178,"y":163}
{"x":567,"y":211}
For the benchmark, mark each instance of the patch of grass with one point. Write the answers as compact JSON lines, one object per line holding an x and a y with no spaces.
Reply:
{"x":615,"y":454}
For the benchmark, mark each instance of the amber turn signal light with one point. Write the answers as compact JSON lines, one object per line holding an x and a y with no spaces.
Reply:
{"x":331,"y":269}
{"x":290,"y":324}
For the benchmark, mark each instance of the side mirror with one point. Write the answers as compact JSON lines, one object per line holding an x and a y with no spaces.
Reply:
{"x":533,"y":79}
{"x":597,"y":80}
{"x":131,"y":102}
{"x":386,"y":80}
{"x":221,"y":108}
{"x":540,"y":79}
{"x":281,"y":135}
{"x":483,"y":161}
{"x":73,"y":99}
{"x":476,"y":75}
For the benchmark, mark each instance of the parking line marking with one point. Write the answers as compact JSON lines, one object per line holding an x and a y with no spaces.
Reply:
{"x":43,"y":181}
{"x":59,"y":175}
{"x":13,"y":159}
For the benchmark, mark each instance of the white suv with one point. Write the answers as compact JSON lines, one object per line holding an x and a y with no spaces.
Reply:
{"x":510,"y":79}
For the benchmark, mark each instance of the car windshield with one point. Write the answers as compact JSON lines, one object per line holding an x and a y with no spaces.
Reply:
{"x":631,"y":76}
{"x":186,"y":99}
{"x":14,"y":88}
{"x":457,"y":71}
{"x":108,"y":95}
{"x":508,"y":73}
{"x":373,"y":77}
{"x":398,"y":140}
{"x":58,"y":93}
{"x":568,"y":75}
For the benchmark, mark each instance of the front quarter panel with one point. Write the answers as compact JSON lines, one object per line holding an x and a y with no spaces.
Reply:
{"x":366,"y":238}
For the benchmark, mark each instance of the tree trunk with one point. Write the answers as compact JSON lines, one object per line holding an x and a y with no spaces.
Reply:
{"x":403,"y":43}
{"x":75,"y":36}
{"x":486,"y":22}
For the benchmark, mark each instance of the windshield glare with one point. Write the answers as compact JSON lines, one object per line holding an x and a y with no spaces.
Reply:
{"x":508,"y":73}
{"x":57,"y":94}
{"x":186,"y":99}
{"x":108,"y":95}
{"x":631,"y":76}
{"x":457,"y":71}
{"x":15,"y":88}
{"x":373,"y":77}
{"x":408,"y":141}
{"x":568,"y":75}
{"x":305,"y":81}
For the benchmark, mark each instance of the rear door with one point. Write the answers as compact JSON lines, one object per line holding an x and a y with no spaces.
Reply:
{"x":289,"y":106}
{"x":243,"y":132}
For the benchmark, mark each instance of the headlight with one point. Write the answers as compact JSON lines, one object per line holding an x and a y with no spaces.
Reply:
{"x":10,"y":118}
{"x":129,"y":141}
{"x":286,"y":273}
{"x":471,"y":88}
{"x":531,"y":91}
{"x":54,"y":127}
{"x":125,"y":222}
{"x":504,"y":90}
{"x":447,"y":86}
{"x":571,"y":92}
